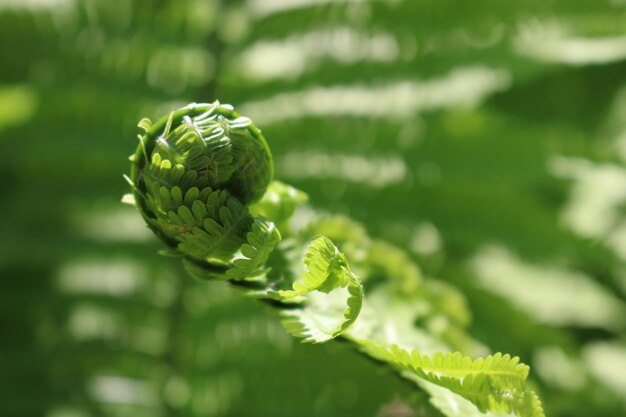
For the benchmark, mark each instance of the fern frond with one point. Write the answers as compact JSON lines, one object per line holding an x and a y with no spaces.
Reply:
{"x":327,"y":269}
{"x":342,"y":295}
{"x":260,"y":243}
{"x":496,"y":383}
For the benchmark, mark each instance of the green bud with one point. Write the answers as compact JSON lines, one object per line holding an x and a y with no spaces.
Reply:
{"x":193,"y":176}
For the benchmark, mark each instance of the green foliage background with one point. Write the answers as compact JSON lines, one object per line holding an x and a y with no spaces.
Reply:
{"x":487,"y":138}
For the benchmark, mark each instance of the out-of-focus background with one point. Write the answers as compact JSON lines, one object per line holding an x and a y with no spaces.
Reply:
{"x":487,"y":138}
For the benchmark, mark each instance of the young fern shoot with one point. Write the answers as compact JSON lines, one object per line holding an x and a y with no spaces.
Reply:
{"x":202,"y":179}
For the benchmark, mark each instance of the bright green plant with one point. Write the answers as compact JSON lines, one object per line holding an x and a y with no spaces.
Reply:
{"x":202,"y":178}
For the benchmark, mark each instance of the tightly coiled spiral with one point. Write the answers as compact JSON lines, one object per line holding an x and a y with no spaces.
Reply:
{"x":193,"y":176}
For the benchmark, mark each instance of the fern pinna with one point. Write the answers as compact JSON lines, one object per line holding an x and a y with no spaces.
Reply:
{"x":202,"y":178}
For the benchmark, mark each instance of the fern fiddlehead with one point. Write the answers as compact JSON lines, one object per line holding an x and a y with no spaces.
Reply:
{"x":196,"y":176}
{"x":193,"y":175}
{"x":202,"y":178}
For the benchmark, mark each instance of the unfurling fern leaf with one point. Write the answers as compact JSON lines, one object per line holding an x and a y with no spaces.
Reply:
{"x":327,"y":269}
{"x":327,"y":272}
{"x":201,"y":178}
{"x":261,"y":242}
